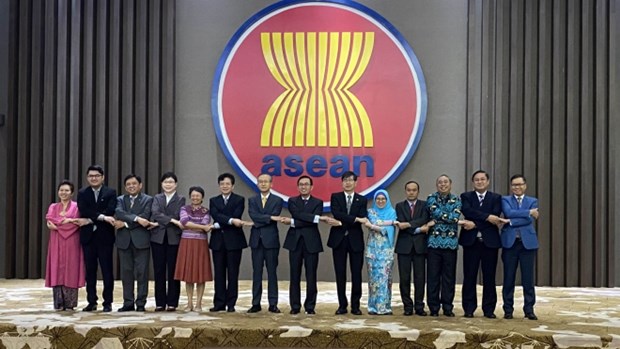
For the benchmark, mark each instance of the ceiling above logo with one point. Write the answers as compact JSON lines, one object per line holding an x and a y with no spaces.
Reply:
{"x":318,"y":88}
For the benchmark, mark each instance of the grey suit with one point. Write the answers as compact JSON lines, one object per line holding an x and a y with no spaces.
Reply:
{"x":133,"y":243}
{"x":165,"y":246}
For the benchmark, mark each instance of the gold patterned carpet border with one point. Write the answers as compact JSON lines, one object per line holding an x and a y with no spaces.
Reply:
{"x":568,"y":318}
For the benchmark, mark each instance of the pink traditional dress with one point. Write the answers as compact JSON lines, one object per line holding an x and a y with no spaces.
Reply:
{"x":65,"y":271}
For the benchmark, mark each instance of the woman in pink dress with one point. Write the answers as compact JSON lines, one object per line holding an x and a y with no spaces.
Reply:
{"x":65,"y":263}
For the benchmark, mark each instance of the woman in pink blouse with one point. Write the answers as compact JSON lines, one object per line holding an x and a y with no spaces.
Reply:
{"x":65,"y":264}
{"x":194,"y":262}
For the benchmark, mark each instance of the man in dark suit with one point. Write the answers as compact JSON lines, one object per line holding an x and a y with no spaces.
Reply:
{"x":133,"y":241}
{"x":264,"y":209}
{"x":520,"y":243}
{"x":411,"y":247}
{"x":303,"y":241}
{"x":227,"y":243}
{"x":165,"y":239}
{"x":97,"y":203}
{"x":480,"y":244}
{"x":347,"y":239}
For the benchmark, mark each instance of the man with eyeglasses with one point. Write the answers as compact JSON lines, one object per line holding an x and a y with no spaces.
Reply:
{"x":347,"y":240}
{"x":303,"y":241}
{"x":97,"y":203}
{"x":520,"y":243}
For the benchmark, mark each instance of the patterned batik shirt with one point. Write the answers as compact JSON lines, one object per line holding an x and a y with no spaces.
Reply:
{"x":445,"y":211}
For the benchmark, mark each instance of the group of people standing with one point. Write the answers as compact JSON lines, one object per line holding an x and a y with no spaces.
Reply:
{"x":423,"y":234}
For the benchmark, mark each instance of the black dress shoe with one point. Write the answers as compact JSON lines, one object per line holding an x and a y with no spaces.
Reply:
{"x":408,"y":312}
{"x":90,"y":307}
{"x":171,"y":308}
{"x":140,"y":308}
{"x":508,"y":316}
{"x":159,"y":308}
{"x":310,"y":312}
{"x":449,"y":313}
{"x":274,"y":309}
{"x":231,"y":309}
{"x":490,"y":316}
{"x":434,"y":314}
{"x":341,"y":311}
{"x":531,"y":316}
{"x":216,"y":309}
{"x":294,"y":311}
{"x":254,"y":309}
{"x":370,"y":313}
{"x":420,"y":313}
{"x":108,"y":308}
{"x":124,"y":308}
{"x":356,"y":312}
{"x":469,"y":315}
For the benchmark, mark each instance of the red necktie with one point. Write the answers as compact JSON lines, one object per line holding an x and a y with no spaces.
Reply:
{"x":412,"y":207}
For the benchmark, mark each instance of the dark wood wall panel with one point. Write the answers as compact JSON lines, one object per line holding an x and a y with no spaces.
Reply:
{"x":545,"y":107}
{"x":88,"y":87}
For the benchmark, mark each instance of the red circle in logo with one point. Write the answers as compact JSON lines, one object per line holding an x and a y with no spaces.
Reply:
{"x":319,"y":88}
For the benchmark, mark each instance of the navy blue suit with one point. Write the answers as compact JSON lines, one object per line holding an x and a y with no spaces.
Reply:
{"x":480,"y":252}
{"x":520,"y":243}
{"x":265,"y":245}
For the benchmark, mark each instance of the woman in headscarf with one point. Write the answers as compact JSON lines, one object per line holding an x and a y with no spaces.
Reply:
{"x":380,"y":254}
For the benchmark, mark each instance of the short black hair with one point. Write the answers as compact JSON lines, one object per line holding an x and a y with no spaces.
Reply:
{"x":167,"y":175}
{"x":132,"y":175}
{"x":414,"y":182}
{"x":97,"y":168}
{"x":197,"y":189}
{"x":518,"y":176}
{"x":224,"y":176}
{"x":480,"y":171}
{"x":66,"y":182}
{"x":348,"y":174}
{"x":302,"y":177}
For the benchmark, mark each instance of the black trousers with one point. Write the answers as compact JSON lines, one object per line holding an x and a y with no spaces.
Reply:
{"x":101,"y":254}
{"x":226,"y":277}
{"x":356,"y":262}
{"x":476,"y":257}
{"x":405,"y":263}
{"x":167,"y":289}
{"x":310,"y":261}
{"x":441,"y":279}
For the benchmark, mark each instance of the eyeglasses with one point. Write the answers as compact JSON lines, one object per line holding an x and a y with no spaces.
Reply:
{"x":94,"y":176}
{"x":517,"y":184}
{"x":348,"y":180}
{"x":304,"y":184}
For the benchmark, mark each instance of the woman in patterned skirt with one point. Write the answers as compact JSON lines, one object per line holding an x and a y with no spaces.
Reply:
{"x":380,"y":254}
{"x":194,"y":263}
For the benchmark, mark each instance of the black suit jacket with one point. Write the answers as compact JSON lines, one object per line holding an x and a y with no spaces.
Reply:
{"x":264,"y":229}
{"x":105,"y":205}
{"x":304,"y":214}
{"x":471,"y":209}
{"x":407,"y":240}
{"x":228,"y":237}
{"x":339,"y":210}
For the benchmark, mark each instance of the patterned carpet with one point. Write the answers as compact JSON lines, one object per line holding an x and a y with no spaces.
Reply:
{"x":568,"y":317}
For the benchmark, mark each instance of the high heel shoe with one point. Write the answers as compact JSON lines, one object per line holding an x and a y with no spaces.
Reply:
{"x":198,"y":309}
{"x":188,"y":308}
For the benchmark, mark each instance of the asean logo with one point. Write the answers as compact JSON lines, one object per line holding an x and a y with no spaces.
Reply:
{"x":318,"y":88}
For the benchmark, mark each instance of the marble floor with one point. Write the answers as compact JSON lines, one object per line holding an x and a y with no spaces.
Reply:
{"x":568,"y":317}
